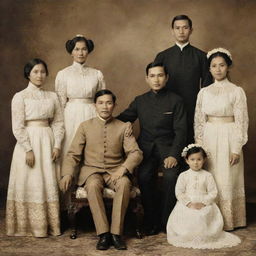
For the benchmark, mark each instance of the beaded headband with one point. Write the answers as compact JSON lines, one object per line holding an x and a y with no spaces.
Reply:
{"x":185,"y":150}
{"x":79,"y":35}
{"x":223,"y":50}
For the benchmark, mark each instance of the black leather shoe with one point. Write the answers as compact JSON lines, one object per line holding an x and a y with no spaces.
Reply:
{"x":104,"y":241}
{"x":118,"y":242}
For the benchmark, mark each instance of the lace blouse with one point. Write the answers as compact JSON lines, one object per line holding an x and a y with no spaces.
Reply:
{"x":78,"y":82}
{"x":34,"y":103}
{"x":222,"y":99}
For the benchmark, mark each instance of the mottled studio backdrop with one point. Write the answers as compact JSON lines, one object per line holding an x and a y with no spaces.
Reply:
{"x":127,"y":36}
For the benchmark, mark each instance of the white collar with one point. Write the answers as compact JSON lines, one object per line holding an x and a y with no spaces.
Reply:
{"x":31,"y":86}
{"x":181,"y":46}
{"x":78,"y":65}
{"x":221,"y":83}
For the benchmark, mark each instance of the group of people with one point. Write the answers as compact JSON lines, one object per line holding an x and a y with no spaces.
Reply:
{"x":72,"y":136}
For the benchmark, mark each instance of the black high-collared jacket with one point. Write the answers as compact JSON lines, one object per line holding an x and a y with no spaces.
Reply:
{"x":163,"y":122}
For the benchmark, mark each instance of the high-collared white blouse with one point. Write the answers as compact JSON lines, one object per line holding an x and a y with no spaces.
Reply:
{"x":34,"y":103}
{"x":222,"y":99}
{"x":78,"y":81}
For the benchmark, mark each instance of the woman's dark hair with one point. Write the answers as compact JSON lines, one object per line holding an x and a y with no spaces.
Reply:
{"x":104,"y":92}
{"x":182,"y":17}
{"x":70,"y":44}
{"x":195,"y":150}
{"x":220,"y":54}
{"x":29,"y":66}
{"x":155,"y":64}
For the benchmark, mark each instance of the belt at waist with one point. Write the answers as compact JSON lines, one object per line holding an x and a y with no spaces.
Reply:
{"x":88,"y":100}
{"x":220,"y":119}
{"x":37,"y":123}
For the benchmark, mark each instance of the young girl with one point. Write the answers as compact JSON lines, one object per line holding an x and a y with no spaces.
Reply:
{"x":196,"y":221}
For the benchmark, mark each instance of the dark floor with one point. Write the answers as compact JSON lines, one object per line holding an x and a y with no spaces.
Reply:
{"x":84,"y":245}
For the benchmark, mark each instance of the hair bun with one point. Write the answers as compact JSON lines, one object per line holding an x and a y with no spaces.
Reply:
{"x":90,"y":45}
{"x":69,"y":46}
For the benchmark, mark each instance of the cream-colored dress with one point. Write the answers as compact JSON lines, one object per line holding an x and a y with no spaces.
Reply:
{"x":198,"y":229}
{"x":76,"y":86}
{"x":32,"y":202}
{"x":216,"y":106}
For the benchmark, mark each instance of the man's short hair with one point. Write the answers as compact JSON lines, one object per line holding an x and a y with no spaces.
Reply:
{"x":156,"y":64}
{"x":104,"y":92}
{"x":182,"y":17}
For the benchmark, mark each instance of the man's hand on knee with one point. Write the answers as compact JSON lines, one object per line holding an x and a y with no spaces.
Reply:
{"x":65,"y":183}
{"x":121,"y":170}
{"x":170,"y":162}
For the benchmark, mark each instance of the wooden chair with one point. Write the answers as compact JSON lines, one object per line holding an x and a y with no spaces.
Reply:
{"x":79,"y":200}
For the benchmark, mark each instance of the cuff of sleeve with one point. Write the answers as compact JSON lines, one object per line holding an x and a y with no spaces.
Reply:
{"x":27,"y":148}
{"x":57,"y":144}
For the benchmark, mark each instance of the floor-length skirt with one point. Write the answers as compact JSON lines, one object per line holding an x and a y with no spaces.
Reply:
{"x":32,"y":202}
{"x":198,"y":229}
{"x":218,"y":140}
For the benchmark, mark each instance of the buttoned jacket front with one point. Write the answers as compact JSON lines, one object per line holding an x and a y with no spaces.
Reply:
{"x":103,"y":147}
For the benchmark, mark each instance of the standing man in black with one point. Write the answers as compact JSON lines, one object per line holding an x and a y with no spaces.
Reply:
{"x":163,"y":130}
{"x":187,"y":68}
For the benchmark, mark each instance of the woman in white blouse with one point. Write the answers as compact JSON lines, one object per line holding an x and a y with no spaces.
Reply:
{"x":221,"y":124}
{"x":76,"y":86}
{"x":32,"y":202}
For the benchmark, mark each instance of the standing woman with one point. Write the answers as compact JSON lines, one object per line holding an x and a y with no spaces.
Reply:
{"x":76,"y":86}
{"x":221,"y":124}
{"x":37,"y":122}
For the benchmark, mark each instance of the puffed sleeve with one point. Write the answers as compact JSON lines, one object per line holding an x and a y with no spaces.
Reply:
{"x":199,"y":119}
{"x":180,"y":190}
{"x":212,"y":191}
{"x":61,"y":88}
{"x":57,"y":123}
{"x":101,"y":84}
{"x":241,"y":120}
{"x":18,"y":122}
{"x":131,"y":149}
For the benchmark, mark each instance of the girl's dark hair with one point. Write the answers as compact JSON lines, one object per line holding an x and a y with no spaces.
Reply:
{"x":196,"y":150}
{"x":220,"y":54}
{"x":70,"y":44}
{"x":29,"y":66}
{"x":104,"y":92}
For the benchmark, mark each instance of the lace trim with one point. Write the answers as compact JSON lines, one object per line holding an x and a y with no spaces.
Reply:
{"x":233,"y":212}
{"x":32,"y":219}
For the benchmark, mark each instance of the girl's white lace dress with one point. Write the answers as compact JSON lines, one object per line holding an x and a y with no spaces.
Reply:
{"x":199,"y":229}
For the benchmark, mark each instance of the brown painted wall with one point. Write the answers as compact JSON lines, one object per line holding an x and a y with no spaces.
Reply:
{"x":127,"y":35}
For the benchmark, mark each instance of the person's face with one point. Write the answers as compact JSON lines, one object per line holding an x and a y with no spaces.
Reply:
{"x":219,"y":68}
{"x":156,"y":78}
{"x":80,"y":52}
{"x":105,"y":106}
{"x":37,"y":75}
{"x":195,"y":161}
{"x":181,"y":31}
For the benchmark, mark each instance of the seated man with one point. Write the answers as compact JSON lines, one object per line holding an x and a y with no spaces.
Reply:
{"x":162,"y":137}
{"x":110,"y":156}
